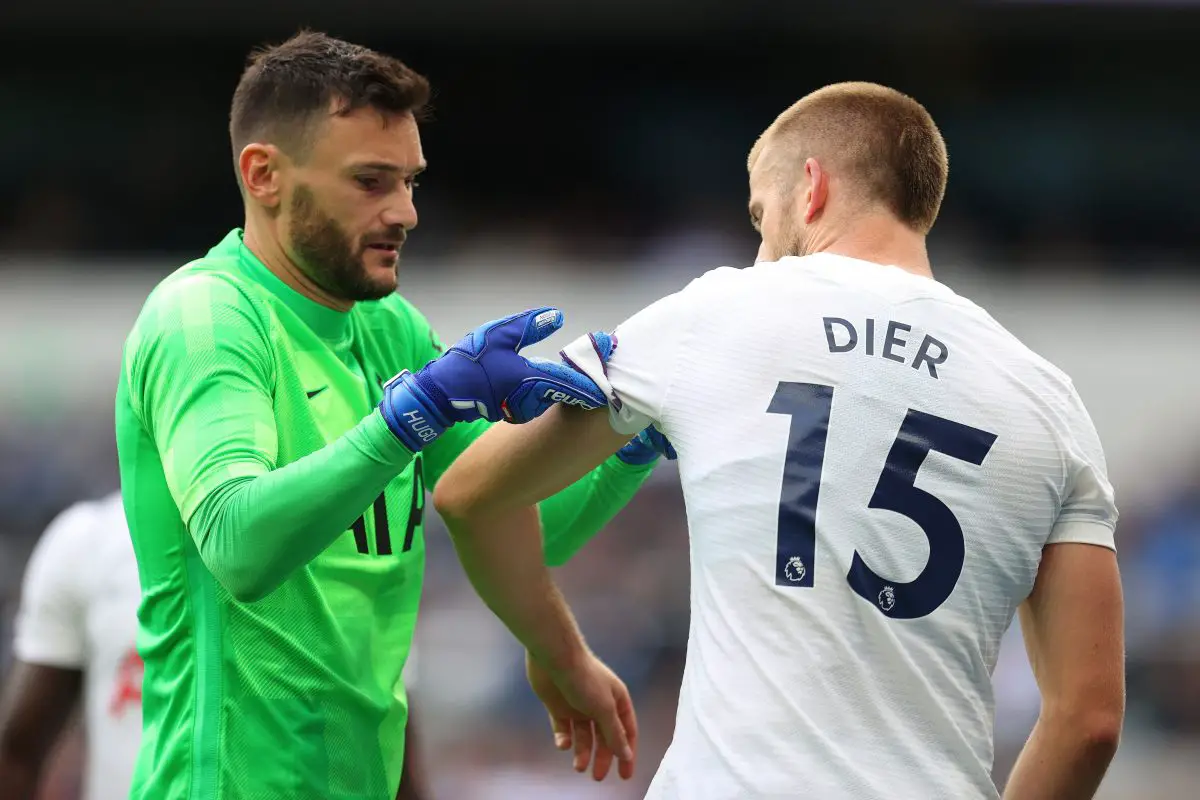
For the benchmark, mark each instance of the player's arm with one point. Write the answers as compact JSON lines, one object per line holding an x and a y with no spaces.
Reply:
{"x":515,"y":467}
{"x":45,"y":682}
{"x":572,"y":516}
{"x":63,"y":777}
{"x":35,"y":704}
{"x":489,"y":493}
{"x":1073,"y":624}
{"x":488,"y":496}
{"x":497,"y":536}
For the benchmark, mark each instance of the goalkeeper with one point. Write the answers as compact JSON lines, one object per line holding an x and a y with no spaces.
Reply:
{"x":274,"y":478}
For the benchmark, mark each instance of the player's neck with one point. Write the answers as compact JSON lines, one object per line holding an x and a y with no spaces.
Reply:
{"x":269,"y":250}
{"x":879,"y":241}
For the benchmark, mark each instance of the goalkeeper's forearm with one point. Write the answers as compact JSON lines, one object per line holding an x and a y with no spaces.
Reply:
{"x":254,"y":532}
{"x":502,"y":557}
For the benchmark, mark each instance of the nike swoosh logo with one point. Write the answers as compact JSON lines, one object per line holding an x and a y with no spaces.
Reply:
{"x":315,"y":392}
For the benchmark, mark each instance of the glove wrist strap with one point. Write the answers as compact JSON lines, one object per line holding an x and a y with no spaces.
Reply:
{"x":410,"y":413}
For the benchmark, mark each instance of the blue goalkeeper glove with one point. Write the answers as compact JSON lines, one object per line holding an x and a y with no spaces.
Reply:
{"x":483,"y":376}
{"x":646,"y":447}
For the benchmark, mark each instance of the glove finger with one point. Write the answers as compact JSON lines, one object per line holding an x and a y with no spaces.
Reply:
{"x":538,"y":324}
{"x":512,"y":332}
{"x":605,"y":344}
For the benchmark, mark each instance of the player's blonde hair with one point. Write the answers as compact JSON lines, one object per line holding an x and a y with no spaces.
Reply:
{"x":884,"y":142}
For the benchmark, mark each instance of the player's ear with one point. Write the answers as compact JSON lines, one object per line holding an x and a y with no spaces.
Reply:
{"x":816,"y":190}
{"x":258,"y":166}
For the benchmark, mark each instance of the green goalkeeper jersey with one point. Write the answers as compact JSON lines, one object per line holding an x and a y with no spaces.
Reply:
{"x":277,"y":525}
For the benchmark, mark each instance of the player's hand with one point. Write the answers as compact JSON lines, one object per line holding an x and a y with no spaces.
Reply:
{"x":484,"y":376}
{"x":591,"y":713}
{"x":646,"y":447}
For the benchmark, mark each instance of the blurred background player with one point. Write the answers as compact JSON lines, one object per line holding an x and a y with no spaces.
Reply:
{"x":76,"y":640}
{"x":877,"y":475}
{"x":274,"y":477}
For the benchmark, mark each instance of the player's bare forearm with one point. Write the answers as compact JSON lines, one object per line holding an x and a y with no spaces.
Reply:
{"x":487,"y":500}
{"x":1072,"y":624}
{"x":19,"y":779}
{"x":502,"y":556}
{"x":1064,"y":759}
{"x":572,"y":511}
{"x":36,"y":703}
{"x":511,"y":467}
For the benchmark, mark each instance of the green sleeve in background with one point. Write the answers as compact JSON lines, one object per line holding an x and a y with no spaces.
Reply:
{"x":573,"y":516}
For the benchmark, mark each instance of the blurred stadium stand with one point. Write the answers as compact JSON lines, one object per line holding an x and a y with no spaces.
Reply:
{"x":592,"y":155}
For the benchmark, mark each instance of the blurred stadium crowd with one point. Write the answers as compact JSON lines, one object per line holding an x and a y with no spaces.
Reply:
{"x":614,"y":158}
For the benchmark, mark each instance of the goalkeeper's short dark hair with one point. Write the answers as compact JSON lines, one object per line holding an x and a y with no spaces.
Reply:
{"x":287,"y":89}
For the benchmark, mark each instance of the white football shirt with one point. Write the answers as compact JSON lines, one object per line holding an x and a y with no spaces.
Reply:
{"x":871,"y":466}
{"x":78,"y":610}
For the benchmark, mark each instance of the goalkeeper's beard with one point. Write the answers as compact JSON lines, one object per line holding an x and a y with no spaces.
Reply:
{"x":326,"y":253}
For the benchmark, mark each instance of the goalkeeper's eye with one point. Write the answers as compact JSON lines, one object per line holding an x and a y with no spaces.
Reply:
{"x":368,"y":183}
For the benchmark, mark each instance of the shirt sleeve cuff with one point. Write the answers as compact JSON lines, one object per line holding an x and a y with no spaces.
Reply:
{"x":46,"y":653}
{"x":1083,"y":531}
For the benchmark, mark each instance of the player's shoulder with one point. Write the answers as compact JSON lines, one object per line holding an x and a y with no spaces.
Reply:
{"x":204,"y":283}
{"x":1020,"y":359}
{"x":209,"y":291}
{"x":763,"y":280}
{"x":819,"y":268}
{"x":709,"y":286}
{"x":726,"y":286}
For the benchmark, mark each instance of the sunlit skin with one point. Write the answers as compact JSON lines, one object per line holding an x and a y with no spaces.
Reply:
{"x":331,"y":224}
{"x":781,"y":212}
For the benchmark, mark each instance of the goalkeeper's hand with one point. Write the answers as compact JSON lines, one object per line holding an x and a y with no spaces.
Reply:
{"x":646,"y":447}
{"x":484,"y":376}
